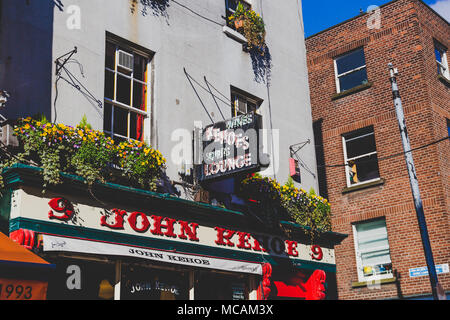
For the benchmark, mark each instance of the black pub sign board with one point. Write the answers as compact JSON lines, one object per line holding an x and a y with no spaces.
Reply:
{"x":230,"y":147}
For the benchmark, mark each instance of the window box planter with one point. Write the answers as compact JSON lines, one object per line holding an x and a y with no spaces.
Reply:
{"x":233,"y":34}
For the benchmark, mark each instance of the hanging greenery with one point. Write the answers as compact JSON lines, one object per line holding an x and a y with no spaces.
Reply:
{"x":306,"y":209}
{"x":261,"y":64}
{"x":87,"y":153}
{"x":251,"y":25}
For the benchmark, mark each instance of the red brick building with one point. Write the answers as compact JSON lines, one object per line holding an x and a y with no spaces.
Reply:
{"x":362,"y":170}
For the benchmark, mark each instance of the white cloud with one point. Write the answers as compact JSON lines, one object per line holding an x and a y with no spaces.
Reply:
{"x":443,"y":8}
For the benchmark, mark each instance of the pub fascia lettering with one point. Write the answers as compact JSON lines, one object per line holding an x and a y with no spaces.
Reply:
{"x":164,"y":226}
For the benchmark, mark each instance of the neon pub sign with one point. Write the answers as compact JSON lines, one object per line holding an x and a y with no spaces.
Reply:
{"x":230,"y":146}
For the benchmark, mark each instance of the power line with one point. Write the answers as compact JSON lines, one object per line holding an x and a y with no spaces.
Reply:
{"x":388,"y":157}
{"x":197,"y":14}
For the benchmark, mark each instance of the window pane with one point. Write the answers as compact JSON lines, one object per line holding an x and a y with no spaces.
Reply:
{"x":251,"y":107}
{"x":352,"y":80}
{"x":110,"y":55}
{"x":360,"y":145}
{"x":364,"y":169}
{"x":107,"y":117}
{"x":373,"y":247}
{"x":136,"y":126}
{"x":140,"y":68}
{"x":123,"y":90}
{"x":438,"y":54}
{"x":376,"y":257}
{"x":242,"y":106}
{"x":372,"y":235}
{"x":139,"y":96}
{"x":120,"y":121}
{"x":109,"y":84}
{"x":350,"y":61}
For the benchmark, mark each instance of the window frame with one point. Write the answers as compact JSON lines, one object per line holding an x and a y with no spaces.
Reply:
{"x":128,"y":47}
{"x":337,"y":75}
{"x":444,"y":63}
{"x":347,"y":160}
{"x":234,"y":92}
{"x":358,"y":253}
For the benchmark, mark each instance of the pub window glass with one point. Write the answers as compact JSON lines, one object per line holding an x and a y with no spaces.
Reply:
{"x":81,"y":280}
{"x":142,"y":283}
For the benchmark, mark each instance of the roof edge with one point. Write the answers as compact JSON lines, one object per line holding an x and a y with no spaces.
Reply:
{"x":365,"y":13}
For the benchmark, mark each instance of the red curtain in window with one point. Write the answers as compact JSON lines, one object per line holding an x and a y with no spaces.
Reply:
{"x":140,"y":118}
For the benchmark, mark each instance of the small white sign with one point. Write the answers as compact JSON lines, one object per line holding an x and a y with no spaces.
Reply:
{"x":52,"y":243}
{"x":423,"y":271}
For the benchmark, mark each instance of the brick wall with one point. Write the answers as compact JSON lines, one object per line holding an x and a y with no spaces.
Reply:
{"x":405,"y":39}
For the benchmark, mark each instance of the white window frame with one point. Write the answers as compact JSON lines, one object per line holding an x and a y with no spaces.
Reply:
{"x":443,"y":65}
{"x":337,"y":75}
{"x":347,"y":160}
{"x":358,"y":252}
{"x":129,"y":108}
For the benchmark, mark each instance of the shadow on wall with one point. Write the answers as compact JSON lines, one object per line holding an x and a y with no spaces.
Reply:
{"x":26,"y":36}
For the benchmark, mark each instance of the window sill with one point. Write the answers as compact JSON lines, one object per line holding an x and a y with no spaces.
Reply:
{"x":373,"y":283}
{"x":444,"y":80}
{"x":233,"y":34}
{"x":351,"y":91}
{"x":363,"y":186}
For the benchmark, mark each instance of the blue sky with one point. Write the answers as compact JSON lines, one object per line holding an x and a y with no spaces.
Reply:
{"x":319,"y":15}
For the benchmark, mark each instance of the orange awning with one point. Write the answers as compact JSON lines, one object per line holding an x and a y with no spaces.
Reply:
{"x":13,"y":252}
{"x":23,"y":274}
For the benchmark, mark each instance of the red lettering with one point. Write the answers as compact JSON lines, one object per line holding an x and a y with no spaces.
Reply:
{"x":292,"y":248}
{"x":244,"y":240}
{"x":158,"y":225}
{"x":257,"y":246}
{"x":118,"y":219}
{"x":145,"y":224}
{"x":317,"y":253}
{"x":221,"y":237}
{"x":63,"y":206}
{"x":188,"y":228}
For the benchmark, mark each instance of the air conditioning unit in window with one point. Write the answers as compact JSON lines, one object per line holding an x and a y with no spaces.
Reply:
{"x":125,"y":60}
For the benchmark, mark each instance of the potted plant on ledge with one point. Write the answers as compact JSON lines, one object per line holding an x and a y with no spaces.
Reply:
{"x":250,"y":25}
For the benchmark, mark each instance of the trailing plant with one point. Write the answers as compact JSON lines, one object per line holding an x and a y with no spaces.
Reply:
{"x":261,"y":64}
{"x":252,"y":26}
{"x":85,"y":152}
{"x":306,"y":209}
